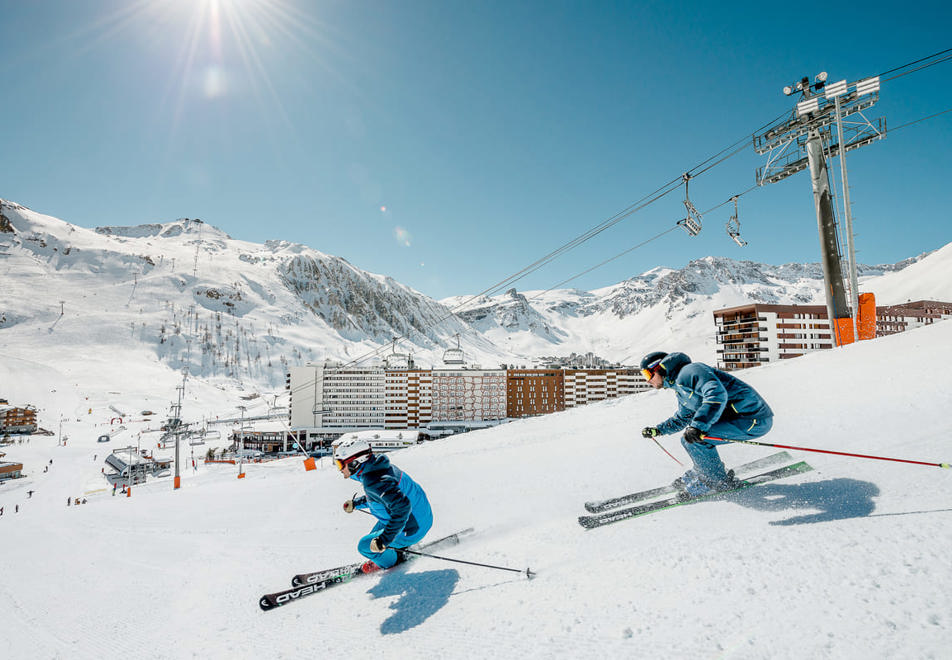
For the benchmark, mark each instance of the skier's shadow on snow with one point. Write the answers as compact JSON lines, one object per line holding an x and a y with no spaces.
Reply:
{"x":836,"y":499}
{"x":423,"y":594}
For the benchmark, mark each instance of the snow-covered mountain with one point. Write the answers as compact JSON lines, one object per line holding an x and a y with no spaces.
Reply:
{"x":185,"y":293}
{"x":672,"y":309}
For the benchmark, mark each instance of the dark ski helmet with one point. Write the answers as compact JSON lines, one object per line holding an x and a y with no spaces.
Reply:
{"x":651,"y":362}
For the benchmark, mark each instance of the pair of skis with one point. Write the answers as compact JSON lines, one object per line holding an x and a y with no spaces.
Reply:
{"x":308,"y":584}
{"x":604,"y":512}
{"x":611,"y":511}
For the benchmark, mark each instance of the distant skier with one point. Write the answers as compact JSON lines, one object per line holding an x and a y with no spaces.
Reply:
{"x":710,"y":402}
{"x":399,"y":504}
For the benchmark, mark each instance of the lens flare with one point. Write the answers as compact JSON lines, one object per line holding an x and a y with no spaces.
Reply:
{"x":403,"y":236}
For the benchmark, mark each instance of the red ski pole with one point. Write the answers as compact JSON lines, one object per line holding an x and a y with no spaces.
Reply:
{"x":667,"y":452}
{"x":827,"y":451}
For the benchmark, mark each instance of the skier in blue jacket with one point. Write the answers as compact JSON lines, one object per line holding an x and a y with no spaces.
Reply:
{"x":397,"y":501}
{"x":711,"y":402}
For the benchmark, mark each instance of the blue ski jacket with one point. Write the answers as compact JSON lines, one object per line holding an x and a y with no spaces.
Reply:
{"x":392,"y":497}
{"x":707,"y":395}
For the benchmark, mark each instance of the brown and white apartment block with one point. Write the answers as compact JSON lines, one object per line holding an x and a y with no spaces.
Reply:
{"x":751,"y":335}
{"x":584,"y":386}
{"x":534,"y":392}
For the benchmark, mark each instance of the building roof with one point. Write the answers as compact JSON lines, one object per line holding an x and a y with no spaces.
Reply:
{"x":265,"y":427}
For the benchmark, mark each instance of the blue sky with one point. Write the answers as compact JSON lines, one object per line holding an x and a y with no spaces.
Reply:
{"x":451,"y":144}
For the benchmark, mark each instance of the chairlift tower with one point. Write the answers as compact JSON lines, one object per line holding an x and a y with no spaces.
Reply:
{"x":804,"y":140}
{"x":175,"y":426}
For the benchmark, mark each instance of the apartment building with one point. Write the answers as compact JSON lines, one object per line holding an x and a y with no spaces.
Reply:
{"x":891,"y":319}
{"x":751,"y":335}
{"x":534,"y":392}
{"x":409,"y":398}
{"x":328,"y":399}
{"x":337,"y":398}
{"x":461,"y":395}
{"x":584,"y":386}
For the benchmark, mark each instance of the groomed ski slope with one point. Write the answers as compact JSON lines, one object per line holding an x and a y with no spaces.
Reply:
{"x":848,"y":561}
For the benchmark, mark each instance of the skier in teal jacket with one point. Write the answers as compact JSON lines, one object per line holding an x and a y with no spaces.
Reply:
{"x":711,"y":402}
{"x":402,"y":510}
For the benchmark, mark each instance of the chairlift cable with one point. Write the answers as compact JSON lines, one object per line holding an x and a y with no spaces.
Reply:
{"x":620,"y":254}
{"x":923,"y":59}
{"x":916,"y":121}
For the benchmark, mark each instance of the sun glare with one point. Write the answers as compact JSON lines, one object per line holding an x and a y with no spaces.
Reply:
{"x":212,"y":50}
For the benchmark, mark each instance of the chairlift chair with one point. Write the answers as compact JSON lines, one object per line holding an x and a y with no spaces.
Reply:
{"x":692,"y":223}
{"x":453,"y":355}
{"x":733,"y":226}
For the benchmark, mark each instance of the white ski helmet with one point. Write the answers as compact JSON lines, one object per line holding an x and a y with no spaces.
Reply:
{"x":351,"y":451}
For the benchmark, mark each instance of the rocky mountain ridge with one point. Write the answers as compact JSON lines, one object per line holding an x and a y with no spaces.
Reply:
{"x":195,"y":298}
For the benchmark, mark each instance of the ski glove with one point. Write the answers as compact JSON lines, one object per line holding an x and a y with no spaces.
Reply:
{"x":377,"y":546}
{"x":649,"y":432}
{"x":692,"y":435}
{"x":349,"y":506}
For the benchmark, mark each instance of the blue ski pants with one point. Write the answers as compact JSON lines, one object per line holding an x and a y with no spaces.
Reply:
{"x":388,"y":557}
{"x":707,"y":463}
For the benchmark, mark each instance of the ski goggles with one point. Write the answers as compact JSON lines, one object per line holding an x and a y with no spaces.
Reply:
{"x":341,"y":464}
{"x":651,"y":370}
{"x":353,"y":463}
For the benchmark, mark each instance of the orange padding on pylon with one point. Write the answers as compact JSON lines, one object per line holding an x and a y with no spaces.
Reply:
{"x":310,"y":464}
{"x":867,"y":316}
{"x":844,"y":331}
{"x":241,"y":475}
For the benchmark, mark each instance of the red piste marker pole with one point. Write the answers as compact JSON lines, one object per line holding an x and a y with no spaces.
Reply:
{"x":827,"y":451}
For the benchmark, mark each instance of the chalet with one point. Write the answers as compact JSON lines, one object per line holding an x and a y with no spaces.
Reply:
{"x":14,"y":419}
{"x":10,"y":470}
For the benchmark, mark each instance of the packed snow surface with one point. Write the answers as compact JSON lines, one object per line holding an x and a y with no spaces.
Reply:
{"x":850,"y":560}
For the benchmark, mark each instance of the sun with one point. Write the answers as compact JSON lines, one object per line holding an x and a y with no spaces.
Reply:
{"x":211,"y":50}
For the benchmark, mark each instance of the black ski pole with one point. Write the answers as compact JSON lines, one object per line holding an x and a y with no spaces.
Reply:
{"x":528,"y":573}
